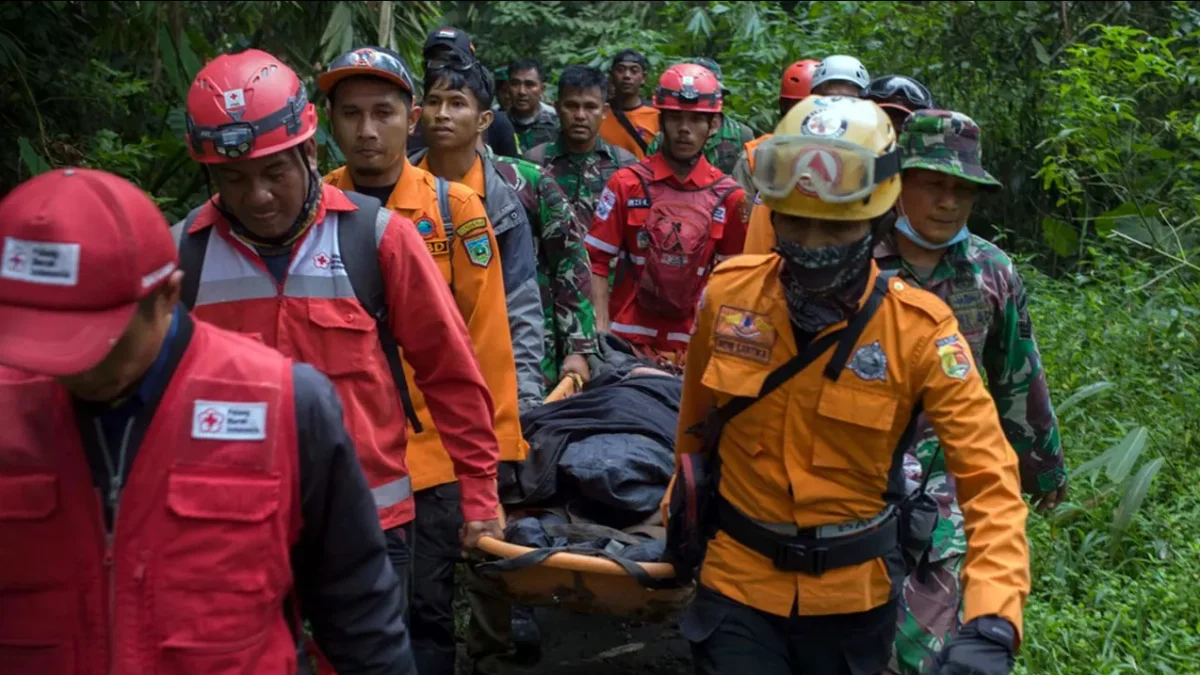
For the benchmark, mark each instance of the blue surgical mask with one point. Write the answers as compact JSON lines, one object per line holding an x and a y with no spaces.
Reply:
{"x":904,"y":227}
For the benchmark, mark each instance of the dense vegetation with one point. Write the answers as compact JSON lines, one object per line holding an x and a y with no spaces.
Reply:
{"x":1091,"y":118}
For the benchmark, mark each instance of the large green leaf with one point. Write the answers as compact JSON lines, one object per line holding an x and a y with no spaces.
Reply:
{"x":1134,"y":495}
{"x":33,"y":161}
{"x":1083,"y":394}
{"x":1060,"y":236}
{"x":1125,"y":454}
{"x":170,"y":61}
{"x":339,"y":32}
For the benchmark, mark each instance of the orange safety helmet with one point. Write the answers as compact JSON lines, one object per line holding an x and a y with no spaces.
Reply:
{"x":244,"y":106}
{"x":797,"y":80}
{"x":688,"y":86}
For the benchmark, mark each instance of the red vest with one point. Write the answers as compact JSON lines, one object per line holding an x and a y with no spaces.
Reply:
{"x":194,"y":577}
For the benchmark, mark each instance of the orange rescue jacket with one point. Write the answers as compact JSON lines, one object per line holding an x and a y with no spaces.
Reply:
{"x":478,"y":289}
{"x":817,"y":452}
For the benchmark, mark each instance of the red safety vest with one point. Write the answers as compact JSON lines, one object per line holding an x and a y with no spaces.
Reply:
{"x":193,"y":578}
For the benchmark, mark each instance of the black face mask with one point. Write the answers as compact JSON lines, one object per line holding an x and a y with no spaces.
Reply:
{"x":822,"y":286}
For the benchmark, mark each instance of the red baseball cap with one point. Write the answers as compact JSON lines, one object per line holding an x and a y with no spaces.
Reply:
{"x":78,"y":250}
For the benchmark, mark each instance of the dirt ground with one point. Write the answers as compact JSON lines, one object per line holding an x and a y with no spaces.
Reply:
{"x":575,"y":644}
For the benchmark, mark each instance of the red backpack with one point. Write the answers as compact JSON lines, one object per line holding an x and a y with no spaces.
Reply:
{"x":677,"y":237}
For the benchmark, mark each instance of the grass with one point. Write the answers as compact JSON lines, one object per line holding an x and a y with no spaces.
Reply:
{"x":1107,"y":601}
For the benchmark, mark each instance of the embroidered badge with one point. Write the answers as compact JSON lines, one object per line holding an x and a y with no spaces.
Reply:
{"x":643,"y":239}
{"x":40,"y":262}
{"x":955,"y":361}
{"x":229,"y":421}
{"x":439,"y":247}
{"x":605,"y":204}
{"x":424,"y":227}
{"x":479,"y":250}
{"x":470,"y":226}
{"x":744,"y":334}
{"x":719,"y":214}
{"x":869,"y":362}
{"x":638,"y":203}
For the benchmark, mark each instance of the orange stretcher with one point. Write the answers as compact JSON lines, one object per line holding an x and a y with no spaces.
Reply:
{"x":585,"y":583}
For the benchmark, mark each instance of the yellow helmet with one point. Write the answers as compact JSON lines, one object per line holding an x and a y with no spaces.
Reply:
{"x":832,"y":158}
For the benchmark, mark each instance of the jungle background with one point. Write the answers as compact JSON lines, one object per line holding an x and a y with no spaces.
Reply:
{"x":1091,"y":119}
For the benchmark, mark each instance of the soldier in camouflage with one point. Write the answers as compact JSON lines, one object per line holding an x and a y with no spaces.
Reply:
{"x":932,"y":248}
{"x":579,"y":160}
{"x":724,"y":147}
{"x":535,"y":123}
{"x":564,"y":274}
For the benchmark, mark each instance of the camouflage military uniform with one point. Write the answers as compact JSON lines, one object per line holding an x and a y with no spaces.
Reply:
{"x":979,"y":282}
{"x":582,"y":177}
{"x":543,"y":129}
{"x":723,"y":149}
{"x":564,"y":274}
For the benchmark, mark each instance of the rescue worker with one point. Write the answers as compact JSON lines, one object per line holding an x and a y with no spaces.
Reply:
{"x":268,"y":257}
{"x":456,"y":112}
{"x":722,"y":148}
{"x":534,"y":124}
{"x":451,"y":45}
{"x":579,"y":159}
{"x":176,"y":497}
{"x":804,"y":569}
{"x":932,"y":248}
{"x":369,"y":92}
{"x":793,"y":88}
{"x":840,"y":75}
{"x":666,"y":221}
{"x":899,"y":96}
{"x":630,"y":122}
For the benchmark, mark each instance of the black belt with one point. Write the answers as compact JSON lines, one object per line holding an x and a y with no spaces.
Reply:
{"x":804,"y":552}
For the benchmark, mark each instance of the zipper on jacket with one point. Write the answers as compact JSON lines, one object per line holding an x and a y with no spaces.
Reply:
{"x":116,"y":480}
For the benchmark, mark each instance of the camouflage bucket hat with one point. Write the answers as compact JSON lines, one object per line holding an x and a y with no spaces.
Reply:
{"x":946,"y":142}
{"x":714,"y":68}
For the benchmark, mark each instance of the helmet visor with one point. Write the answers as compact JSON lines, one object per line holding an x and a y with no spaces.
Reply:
{"x":831,"y":169}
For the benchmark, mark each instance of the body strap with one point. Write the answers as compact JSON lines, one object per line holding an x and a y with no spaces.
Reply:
{"x":443,"y":200}
{"x":623,"y":120}
{"x":192,"y":248}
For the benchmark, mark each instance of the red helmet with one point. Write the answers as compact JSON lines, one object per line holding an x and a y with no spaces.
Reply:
{"x":688,"y":86}
{"x":246,"y":105}
{"x":797,"y":80}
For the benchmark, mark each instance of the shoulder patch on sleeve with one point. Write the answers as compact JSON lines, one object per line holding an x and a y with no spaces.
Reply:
{"x":479,"y":250}
{"x":604,"y":205}
{"x":927,"y":303}
{"x":473,"y":225}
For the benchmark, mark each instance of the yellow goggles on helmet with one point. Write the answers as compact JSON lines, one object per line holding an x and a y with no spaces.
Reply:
{"x":831,"y":169}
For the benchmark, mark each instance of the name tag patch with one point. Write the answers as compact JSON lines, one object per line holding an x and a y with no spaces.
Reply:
{"x":744,"y":334}
{"x":439,"y":247}
{"x":40,"y":262}
{"x":719,"y":214}
{"x":229,"y":421}
{"x":638,"y":203}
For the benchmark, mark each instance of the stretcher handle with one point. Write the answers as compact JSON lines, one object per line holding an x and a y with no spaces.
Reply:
{"x":566,"y":387}
{"x":573,"y":561}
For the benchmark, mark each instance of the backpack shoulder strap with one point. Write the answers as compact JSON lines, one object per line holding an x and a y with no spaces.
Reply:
{"x":443,"y":200}
{"x":192,"y":249}
{"x":358,"y":245}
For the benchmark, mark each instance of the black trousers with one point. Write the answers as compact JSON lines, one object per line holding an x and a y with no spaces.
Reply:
{"x":438,"y":549}
{"x":400,"y":553}
{"x":729,"y":637}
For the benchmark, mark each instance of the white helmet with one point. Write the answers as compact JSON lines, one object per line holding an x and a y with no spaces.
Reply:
{"x":843,"y":68}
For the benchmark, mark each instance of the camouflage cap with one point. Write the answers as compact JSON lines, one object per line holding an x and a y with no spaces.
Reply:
{"x":947,"y":142}
{"x":714,"y":68}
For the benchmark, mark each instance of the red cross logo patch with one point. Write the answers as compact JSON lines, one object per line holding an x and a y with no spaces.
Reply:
{"x":321,"y":261}
{"x":211,"y":421}
{"x":17,"y":262}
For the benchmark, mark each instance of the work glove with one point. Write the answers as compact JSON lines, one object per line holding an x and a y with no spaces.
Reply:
{"x":983,"y":647}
